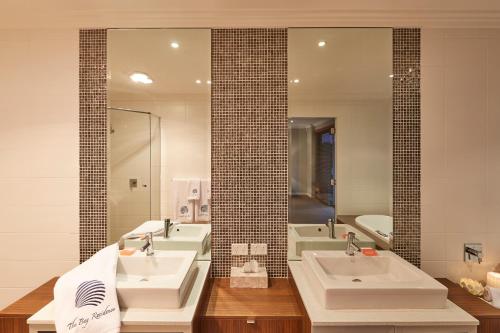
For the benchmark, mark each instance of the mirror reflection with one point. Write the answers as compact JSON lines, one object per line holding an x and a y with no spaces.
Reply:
{"x":340,"y":138}
{"x":159,"y":142}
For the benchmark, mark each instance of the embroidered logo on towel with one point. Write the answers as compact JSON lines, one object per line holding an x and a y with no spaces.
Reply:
{"x":90,"y":293}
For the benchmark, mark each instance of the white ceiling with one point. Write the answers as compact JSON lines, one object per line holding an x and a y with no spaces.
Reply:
{"x":354,"y":65}
{"x":173,"y":71}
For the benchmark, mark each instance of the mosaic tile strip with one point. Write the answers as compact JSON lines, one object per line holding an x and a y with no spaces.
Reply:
{"x":93,"y":142}
{"x":249,"y":145}
{"x":406,"y":143}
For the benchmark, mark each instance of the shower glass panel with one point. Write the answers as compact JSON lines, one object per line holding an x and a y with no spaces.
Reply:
{"x":134,"y":167}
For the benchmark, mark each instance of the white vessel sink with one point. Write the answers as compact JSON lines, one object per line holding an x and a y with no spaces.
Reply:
{"x":181,"y":237}
{"x":161,"y":281}
{"x":306,"y":237}
{"x":385,"y":281}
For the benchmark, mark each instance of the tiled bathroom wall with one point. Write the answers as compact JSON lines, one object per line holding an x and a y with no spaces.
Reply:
{"x":406,"y":143}
{"x":460,"y":149}
{"x":93,"y":142}
{"x":249,"y":145}
{"x":39,"y":158}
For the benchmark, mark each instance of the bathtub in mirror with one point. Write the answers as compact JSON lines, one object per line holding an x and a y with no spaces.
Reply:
{"x":159,"y":144}
{"x":340,"y":137}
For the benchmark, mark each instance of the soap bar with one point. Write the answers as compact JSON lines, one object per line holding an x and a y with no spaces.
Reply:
{"x":128,"y":251}
{"x":369,"y":252}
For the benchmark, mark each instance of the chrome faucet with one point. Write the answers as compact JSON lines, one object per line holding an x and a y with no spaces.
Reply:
{"x":149,"y":244}
{"x":352,"y":248}
{"x":331,"y":228}
{"x":167,"y":228}
{"x":473,"y":252}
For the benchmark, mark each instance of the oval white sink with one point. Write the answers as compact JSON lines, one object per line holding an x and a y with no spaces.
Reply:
{"x":385,"y":281}
{"x":161,"y":281}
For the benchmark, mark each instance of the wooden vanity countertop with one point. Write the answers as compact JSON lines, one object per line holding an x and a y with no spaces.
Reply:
{"x":488,"y":316}
{"x":13,"y":317}
{"x":276,"y":301}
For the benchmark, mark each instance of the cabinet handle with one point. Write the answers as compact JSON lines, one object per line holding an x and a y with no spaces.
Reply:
{"x":251,"y":321}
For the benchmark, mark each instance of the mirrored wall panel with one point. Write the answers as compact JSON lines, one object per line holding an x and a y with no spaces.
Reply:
{"x":340,"y":138}
{"x":159,"y":143}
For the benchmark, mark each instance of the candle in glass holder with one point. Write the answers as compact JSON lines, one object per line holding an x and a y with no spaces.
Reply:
{"x":493,"y":279}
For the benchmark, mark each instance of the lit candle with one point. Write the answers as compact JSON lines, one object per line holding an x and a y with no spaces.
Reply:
{"x":493,"y":279}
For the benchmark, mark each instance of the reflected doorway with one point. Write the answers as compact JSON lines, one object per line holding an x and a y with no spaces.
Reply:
{"x":311,"y":174}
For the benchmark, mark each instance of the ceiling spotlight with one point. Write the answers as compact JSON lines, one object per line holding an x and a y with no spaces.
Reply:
{"x":141,"y":78}
{"x":291,"y":121}
{"x":174,"y":45}
{"x":209,"y":82}
{"x":296,"y":81}
{"x":391,"y":75}
{"x":321,"y":43}
{"x":198,"y":81}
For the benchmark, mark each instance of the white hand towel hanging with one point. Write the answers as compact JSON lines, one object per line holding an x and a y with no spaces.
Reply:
{"x":85,"y":298}
{"x":182,"y":207}
{"x":194,"y":189}
{"x":202,"y":206}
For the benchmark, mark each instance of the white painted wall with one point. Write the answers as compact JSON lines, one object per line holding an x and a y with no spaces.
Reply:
{"x":460,"y":149}
{"x":38,"y":158}
{"x":185,"y":135}
{"x":364,"y":152}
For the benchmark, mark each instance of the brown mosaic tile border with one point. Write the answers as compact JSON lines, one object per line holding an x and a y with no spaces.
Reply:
{"x":93,"y":142}
{"x":249,"y":145}
{"x":406,"y":143}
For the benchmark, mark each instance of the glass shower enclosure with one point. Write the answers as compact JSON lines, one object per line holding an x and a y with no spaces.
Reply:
{"x":134,"y":157}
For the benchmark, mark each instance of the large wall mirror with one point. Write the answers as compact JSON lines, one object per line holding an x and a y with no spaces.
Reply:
{"x":159,"y":138}
{"x":340,"y":138}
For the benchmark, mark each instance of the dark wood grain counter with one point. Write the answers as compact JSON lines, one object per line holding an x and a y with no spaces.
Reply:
{"x":351,"y":220}
{"x":13,"y":317}
{"x":488,"y":316}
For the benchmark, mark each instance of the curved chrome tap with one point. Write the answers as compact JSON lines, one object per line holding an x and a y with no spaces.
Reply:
{"x":149,"y":244}
{"x":352,"y":248}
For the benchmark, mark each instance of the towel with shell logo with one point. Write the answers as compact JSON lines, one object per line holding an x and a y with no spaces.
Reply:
{"x":93,"y":304}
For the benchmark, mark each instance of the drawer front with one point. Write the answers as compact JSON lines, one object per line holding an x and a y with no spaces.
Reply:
{"x":214,"y":325}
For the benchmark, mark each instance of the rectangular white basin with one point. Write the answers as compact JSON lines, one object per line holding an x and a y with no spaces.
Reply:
{"x":181,"y":237}
{"x":161,"y":281}
{"x":306,"y":237}
{"x":385,"y":281}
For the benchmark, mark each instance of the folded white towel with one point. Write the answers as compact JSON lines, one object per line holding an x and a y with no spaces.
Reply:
{"x":202,"y":206}
{"x":85,"y":298}
{"x":194,"y":189}
{"x":154,"y":226}
{"x":181,"y":205}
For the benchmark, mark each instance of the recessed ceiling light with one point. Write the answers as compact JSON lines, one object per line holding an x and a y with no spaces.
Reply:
{"x":391,"y":75}
{"x":174,"y":45}
{"x":209,"y":82}
{"x":296,"y":81}
{"x":291,"y":121}
{"x":141,"y":78}
{"x":321,"y":43}
{"x":198,"y":81}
